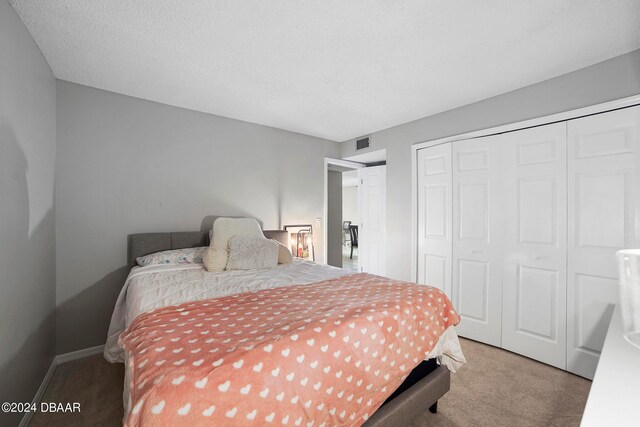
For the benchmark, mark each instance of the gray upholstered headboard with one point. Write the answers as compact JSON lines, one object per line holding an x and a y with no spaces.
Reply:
{"x":147,"y":243}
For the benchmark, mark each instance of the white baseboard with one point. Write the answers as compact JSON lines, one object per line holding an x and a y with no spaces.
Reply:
{"x":74,"y":355}
{"x":36,"y":399}
{"x":58,"y":360}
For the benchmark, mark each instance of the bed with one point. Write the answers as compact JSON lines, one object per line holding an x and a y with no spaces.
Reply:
{"x":150,"y":290}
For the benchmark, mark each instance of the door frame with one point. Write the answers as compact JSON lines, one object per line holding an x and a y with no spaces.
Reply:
{"x":325,"y":231}
{"x":523,"y":124}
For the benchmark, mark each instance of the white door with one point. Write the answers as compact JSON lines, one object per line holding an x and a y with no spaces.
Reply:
{"x":434,"y":217}
{"x":604,"y":158}
{"x":372,"y":232}
{"x":477,"y":230}
{"x":535,"y":250}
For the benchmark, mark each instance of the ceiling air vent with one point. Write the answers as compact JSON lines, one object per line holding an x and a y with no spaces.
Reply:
{"x":362,"y":143}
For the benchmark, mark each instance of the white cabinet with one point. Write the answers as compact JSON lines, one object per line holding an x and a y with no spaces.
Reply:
{"x":520,"y":230}
{"x":604,"y":153}
{"x":477,"y":238}
{"x":614,"y":394}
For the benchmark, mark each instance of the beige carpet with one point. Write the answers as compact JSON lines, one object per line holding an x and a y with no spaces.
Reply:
{"x":500,"y":388}
{"x":495,"y":388}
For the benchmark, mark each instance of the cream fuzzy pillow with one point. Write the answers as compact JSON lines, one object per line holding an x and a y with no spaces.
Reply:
{"x":215,"y":259}
{"x":252,"y":253}
{"x":284,"y":254}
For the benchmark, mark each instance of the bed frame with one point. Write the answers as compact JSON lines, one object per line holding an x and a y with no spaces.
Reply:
{"x":427,"y":383}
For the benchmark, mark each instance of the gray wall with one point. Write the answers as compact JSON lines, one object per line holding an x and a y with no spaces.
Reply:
{"x":27,"y":235}
{"x":334,"y":218}
{"x":606,"y":81}
{"x":126,"y":165}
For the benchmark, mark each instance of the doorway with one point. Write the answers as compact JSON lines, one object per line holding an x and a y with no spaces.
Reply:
{"x":334,"y":230}
{"x":355,"y":213}
{"x":350,"y":220}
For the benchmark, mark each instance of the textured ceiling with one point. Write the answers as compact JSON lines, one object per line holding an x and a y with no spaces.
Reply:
{"x":335,"y":69}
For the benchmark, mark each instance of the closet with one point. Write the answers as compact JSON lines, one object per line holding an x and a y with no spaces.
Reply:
{"x":520,"y":230}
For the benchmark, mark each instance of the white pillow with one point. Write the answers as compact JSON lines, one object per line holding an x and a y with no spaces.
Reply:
{"x":173,"y":256}
{"x":252,"y":253}
{"x":215,"y":259}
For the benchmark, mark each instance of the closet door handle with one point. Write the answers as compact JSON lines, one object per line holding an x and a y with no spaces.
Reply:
{"x":476,"y":251}
{"x":537,"y":257}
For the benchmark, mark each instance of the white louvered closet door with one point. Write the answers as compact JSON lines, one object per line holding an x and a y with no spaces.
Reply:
{"x":534,"y":288}
{"x":477,"y":229}
{"x":434,"y":217}
{"x":604,"y":186}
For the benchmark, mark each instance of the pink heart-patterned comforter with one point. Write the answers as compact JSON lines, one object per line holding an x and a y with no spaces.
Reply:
{"x":327,"y":353}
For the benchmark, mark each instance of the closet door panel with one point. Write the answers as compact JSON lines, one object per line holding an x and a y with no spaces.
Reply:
{"x":534,"y":274}
{"x":604,"y":157}
{"x":472,"y":297}
{"x":477,"y":293}
{"x":434,"y":217}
